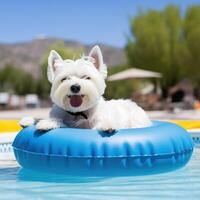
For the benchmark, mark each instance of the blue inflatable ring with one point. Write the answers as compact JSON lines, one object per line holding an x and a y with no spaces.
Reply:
{"x":160,"y":148}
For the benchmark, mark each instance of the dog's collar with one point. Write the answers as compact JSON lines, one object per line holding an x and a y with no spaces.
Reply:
{"x":78,"y":114}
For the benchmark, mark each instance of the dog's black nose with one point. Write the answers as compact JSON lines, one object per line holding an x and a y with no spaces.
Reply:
{"x":75,"y":88}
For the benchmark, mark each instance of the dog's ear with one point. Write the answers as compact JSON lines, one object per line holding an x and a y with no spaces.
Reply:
{"x":98,"y":60}
{"x":53,"y":58}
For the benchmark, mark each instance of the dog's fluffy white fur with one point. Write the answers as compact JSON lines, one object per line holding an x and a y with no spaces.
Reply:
{"x":85,"y":107}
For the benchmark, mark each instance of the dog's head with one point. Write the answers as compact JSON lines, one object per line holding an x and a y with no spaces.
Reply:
{"x":77,"y":85}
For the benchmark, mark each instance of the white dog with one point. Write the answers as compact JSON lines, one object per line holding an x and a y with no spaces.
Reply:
{"x":77,"y":89}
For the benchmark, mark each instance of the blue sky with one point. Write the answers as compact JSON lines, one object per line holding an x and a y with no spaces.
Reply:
{"x":87,"y":21}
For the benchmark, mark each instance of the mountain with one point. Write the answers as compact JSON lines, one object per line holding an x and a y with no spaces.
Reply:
{"x":27,"y":56}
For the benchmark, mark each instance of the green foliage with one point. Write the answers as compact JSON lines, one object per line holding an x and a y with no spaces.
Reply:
{"x":166,"y":42}
{"x":191,"y":27}
{"x":16,"y":81}
{"x":43,"y":88}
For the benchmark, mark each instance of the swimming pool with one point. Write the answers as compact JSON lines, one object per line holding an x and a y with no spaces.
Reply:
{"x":16,"y":183}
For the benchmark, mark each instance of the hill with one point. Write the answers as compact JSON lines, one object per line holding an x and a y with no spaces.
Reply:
{"x":27,"y":55}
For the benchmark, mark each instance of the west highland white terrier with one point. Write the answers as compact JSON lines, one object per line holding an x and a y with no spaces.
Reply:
{"x":77,"y":90}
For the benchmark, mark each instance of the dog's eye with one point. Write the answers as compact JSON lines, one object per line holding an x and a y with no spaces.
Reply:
{"x":89,"y":59}
{"x":65,"y":78}
{"x":86,"y":77}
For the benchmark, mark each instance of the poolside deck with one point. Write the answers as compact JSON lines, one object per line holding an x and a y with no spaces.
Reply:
{"x":159,"y":115}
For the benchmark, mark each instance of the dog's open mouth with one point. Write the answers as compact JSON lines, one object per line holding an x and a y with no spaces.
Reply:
{"x":76,"y":100}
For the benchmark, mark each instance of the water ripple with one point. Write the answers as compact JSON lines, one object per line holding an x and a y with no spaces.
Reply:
{"x":182,"y":184}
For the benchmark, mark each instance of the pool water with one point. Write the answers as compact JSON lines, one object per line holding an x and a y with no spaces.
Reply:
{"x":17,"y":183}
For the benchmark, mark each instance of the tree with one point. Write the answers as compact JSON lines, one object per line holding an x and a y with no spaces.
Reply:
{"x":165,"y":42}
{"x":191,"y":28}
{"x":16,"y":81}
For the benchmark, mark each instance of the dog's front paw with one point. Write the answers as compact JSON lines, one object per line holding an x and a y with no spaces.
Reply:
{"x":105,"y":128}
{"x":45,"y":125}
{"x":27,"y":121}
{"x":110,"y":130}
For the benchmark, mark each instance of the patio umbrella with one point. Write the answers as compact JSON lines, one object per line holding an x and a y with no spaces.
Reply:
{"x":134,"y":73}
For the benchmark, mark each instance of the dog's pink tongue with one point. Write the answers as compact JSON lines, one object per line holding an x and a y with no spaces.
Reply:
{"x":76,"y":100}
